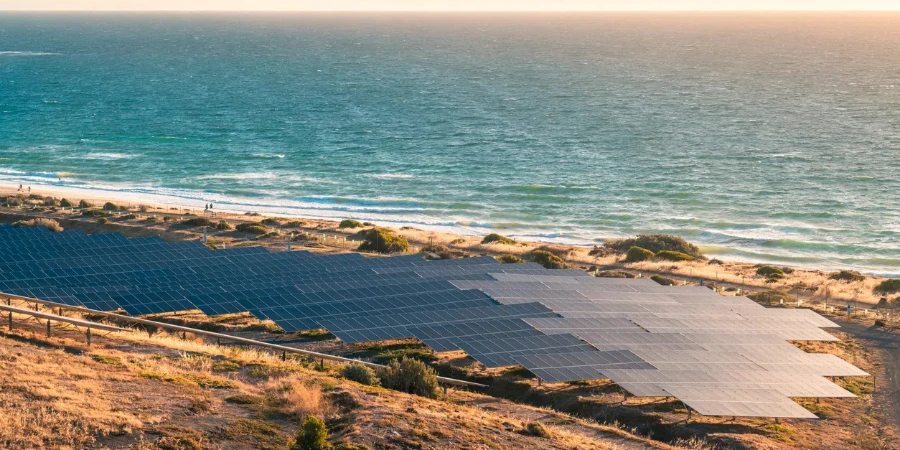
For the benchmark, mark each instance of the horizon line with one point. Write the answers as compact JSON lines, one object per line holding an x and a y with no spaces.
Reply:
{"x":463,"y":10}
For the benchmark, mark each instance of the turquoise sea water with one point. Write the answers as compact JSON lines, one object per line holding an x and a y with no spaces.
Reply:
{"x":765,"y":137}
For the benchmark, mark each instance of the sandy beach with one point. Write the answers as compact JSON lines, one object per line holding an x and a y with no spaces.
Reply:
{"x":323,"y":235}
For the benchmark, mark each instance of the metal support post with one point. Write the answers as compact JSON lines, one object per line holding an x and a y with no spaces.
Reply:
{"x":88,"y":334}
{"x":48,"y":327}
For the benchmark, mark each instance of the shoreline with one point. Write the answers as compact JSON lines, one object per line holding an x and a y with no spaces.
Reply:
{"x":806,"y":284}
{"x":42,"y":185}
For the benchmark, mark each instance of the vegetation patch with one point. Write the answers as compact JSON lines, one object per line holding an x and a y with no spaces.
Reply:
{"x":613,"y":274}
{"x":224,"y":226}
{"x":262,"y":434}
{"x":536,"y":429}
{"x":847,"y":275}
{"x":252,"y":228}
{"x":380,"y":353}
{"x":410,"y":375}
{"x":319,"y":334}
{"x":663,"y":280}
{"x":888,"y":286}
{"x":350,"y":223}
{"x":270,"y":221}
{"x":669,"y":255}
{"x":245,"y":399}
{"x":313,"y":435}
{"x":192,"y":379}
{"x":548,"y":260}
{"x":655,"y":243}
{"x":49,"y":224}
{"x":96,"y":213}
{"x":495,"y":238}
{"x":770,"y":272}
{"x":66,"y":204}
{"x":108,"y":360}
{"x":771,"y":296}
{"x":360,"y":373}
{"x":510,"y":259}
{"x":638,"y":254}
{"x":383,"y":240}
{"x":197,"y":222}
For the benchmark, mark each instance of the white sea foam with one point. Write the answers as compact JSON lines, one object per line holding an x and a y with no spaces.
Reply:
{"x":268,"y":155}
{"x":240,"y":176}
{"x":391,"y":176}
{"x":25,"y":53}
{"x":101,"y":156}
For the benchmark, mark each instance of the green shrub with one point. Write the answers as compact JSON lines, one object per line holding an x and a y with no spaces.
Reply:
{"x":655,"y":243}
{"x":382,"y":240}
{"x":663,"y":280}
{"x":495,"y":238}
{"x":252,"y":228}
{"x":50,"y":224}
{"x":359,"y":373}
{"x":85,"y":204}
{"x":294,"y":224}
{"x":669,"y":255}
{"x":888,"y":286}
{"x":109,"y":206}
{"x":536,"y":429}
{"x":197,"y":222}
{"x":350,"y":223}
{"x":224,"y":226}
{"x":548,"y":260}
{"x":50,"y":201}
{"x":271,"y":221}
{"x":638,"y":254}
{"x":614,"y":274}
{"x":847,"y":275}
{"x":66,"y":204}
{"x":510,"y":259}
{"x":771,"y":296}
{"x":103,"y":221}
{"x":313,"y":435}
{"x":770,"y":272}
{"x":410,"y":375}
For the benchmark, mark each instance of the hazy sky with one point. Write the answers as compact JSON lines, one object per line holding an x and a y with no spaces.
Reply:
{"x":466,"y":5}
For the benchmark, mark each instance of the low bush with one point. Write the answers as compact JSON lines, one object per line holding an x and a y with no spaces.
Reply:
{"x":252,"y":228}
{"x":548,"y":260}
{"x":50,"y":201}
{"x":771,"y":296}
{"x":536,"y":429}
{"x":49,"y":224}
{"x":85,"y":204}
{"x":360,"y":373}
{"x":716,"y":262}
{"x":847,"y":275}
{"x":458,"y":241}
{"x":66,"y":204}
{"x":638,"y":254}
{"x":224,"y":226}
{"x":880,"y":323}
{"x":197,"y":222}
{"x":600,"y":252}
{"x":382,"y":240}
{"x":613,"y":274}
{"x":663,"y":280}
{"x":669,"y":255}
{"x":110,"y":206}
{"x":103,"y":221}
{"x":770,"y":272}
{"x":495,"y":238}
{"x":271,"y":222}
{"x":294,"y":224}
{"x":350,"y":223}
{"x":313,"y":435}
{"x":410,"y":375}
{"x":888,"y":286}
{"x":510,"y":259}
{"x":655,"y":243}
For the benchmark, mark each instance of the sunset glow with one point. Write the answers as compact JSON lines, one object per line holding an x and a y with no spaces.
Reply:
{"x":455,"y":5}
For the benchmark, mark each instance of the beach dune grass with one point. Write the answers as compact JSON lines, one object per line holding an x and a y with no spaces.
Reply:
{"x":848,"y":276}
{"x":548,"y":260}
{"x":638,"y":254}
{"x":495,"y":238}
{"x":655,"y":243}
{"x":49,"y":224}
{"x":510,"y":259}
{"x":383,"y":240}
{"x":252,"y":228}
{"x":671,"y":255}
{"x":350,"y":223}
{"x":889,"y":286}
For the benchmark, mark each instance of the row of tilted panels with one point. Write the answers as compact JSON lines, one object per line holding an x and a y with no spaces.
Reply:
{"x":720,"y":355}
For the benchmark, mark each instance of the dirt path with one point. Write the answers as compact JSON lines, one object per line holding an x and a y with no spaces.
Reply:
{"x":887,"y":392}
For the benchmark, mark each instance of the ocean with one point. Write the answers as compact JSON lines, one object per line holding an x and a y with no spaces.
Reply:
{"x":762,"y":137}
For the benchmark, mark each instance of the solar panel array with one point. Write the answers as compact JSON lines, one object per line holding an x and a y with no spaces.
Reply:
{"x":720,"y":355}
